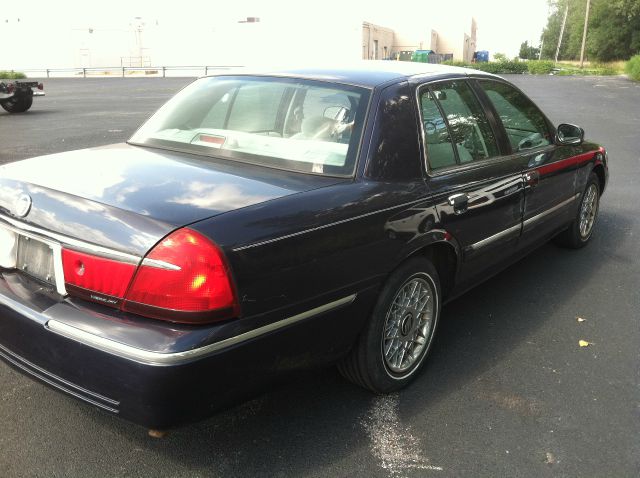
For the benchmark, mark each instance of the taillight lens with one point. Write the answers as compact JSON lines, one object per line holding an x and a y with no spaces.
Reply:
{"x":85,"y":275}
{"x":184,"y":279}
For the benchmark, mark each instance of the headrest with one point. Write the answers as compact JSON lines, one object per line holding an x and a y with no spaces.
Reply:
{"x":317,"y":127}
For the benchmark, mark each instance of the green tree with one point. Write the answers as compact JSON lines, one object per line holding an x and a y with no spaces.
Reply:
{"x":528,"y":52}
{"x":613,"y":30}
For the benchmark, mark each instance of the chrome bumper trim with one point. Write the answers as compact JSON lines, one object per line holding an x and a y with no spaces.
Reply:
{"x":157,"y":358}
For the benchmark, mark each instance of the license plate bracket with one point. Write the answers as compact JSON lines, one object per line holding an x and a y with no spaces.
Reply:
{"x":36,"y":259}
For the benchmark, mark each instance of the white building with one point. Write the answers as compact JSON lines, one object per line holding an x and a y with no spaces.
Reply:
{"x":450,"y":34}
{"x":184,"y":39}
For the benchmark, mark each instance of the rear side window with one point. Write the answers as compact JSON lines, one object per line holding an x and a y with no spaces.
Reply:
{"x":455,"y":127}
{"x":524,"y":124}
{"x":440,"y":153}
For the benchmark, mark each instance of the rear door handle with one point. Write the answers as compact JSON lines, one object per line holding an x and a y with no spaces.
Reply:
{"x":532,"y":178}
{"x":459,"y":202}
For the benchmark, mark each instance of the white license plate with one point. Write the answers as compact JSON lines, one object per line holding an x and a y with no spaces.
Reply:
{"x":35,"y":258}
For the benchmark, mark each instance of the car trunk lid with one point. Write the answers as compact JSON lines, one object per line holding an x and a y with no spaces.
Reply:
{"x":127,"y":198}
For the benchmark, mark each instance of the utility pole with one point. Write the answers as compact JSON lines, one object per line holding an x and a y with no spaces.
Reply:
{"x":584,"y":34}
{"x":541,"y":45}
{"x":564,"y":21}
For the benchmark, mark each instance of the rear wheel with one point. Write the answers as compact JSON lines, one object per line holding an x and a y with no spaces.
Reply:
{"x":18,"y":104}
{"x":398,"y":336}
{"x":580,"y":230}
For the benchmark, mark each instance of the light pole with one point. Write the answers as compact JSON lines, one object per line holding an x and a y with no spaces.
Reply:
{"x":138,"y":26}
{"x":584,"y":34}
{"x":564,"y":21}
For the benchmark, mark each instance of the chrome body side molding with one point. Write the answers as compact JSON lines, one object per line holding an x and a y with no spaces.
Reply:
{"x":156,"y":358}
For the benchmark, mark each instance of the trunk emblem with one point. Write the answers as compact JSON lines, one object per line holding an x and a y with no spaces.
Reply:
{"x":22,"y":205}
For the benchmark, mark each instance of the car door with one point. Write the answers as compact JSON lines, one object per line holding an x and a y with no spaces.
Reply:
{"x":478,"y":191}
{"x":549,"y":171}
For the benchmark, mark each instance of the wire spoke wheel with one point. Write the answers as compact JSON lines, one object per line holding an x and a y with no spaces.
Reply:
{"x":398,"y":336}
{"x":408,"y":325}
{"x":588,"y":210}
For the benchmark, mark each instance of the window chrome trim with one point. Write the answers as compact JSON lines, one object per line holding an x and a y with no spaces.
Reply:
{"x":157,"y":358}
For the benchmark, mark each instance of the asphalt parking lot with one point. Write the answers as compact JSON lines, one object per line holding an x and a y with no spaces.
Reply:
{"x":507,"y":390}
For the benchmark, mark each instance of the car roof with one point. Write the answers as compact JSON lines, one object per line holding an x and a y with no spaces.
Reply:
{"x":367,"y":73}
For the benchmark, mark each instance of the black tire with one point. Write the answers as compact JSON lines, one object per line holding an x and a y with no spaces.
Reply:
{"x":368,"y":364}
{"x":575,"y":236}
{"x":18,"y":104}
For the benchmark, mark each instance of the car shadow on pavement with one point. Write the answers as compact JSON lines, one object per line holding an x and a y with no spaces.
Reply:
{"x":318,"y":422}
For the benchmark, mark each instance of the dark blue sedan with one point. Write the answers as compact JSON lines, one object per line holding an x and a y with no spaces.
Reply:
{"x":260,"y":224}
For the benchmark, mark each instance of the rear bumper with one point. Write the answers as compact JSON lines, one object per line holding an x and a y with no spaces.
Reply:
{"x":160,"y":375}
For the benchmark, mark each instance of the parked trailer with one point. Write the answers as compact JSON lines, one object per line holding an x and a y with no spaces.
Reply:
{"x":17,"y":96}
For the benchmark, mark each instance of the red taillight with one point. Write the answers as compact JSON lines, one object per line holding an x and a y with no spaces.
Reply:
{"x":183,"y":279}
{"x":94,"y":274}
{"x":40,"y":86}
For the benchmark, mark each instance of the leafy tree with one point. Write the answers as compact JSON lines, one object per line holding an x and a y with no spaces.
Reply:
{"x":528,"y":52}
{"x":613,"y":30}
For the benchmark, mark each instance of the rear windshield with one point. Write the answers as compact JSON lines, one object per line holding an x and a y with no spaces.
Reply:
{"x":298,"y":125}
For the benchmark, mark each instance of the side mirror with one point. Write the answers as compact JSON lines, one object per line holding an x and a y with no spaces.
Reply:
{"x":569,"y":134}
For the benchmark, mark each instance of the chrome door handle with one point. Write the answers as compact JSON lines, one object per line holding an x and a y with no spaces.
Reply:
{"x":532,"y":178}
{"x":459,"y":202}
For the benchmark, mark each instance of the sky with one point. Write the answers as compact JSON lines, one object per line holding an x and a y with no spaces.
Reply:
{"x":55,"y":33}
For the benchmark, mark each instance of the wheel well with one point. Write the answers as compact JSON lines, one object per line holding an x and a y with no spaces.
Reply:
{"x":599,"y":170}
{"x":444,"y":259}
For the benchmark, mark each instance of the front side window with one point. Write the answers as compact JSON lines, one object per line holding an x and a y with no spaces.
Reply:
{"x":455,"y":127}
{"x":524,"y":124}
{"x":297,"y":125}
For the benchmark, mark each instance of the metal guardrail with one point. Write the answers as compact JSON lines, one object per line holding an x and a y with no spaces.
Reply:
{"x":121,"y":70}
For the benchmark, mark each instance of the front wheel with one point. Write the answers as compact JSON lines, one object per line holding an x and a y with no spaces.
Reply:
{"x":398,"y":336}
{"x":18,"y":104}
{"x":580,"y":230}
